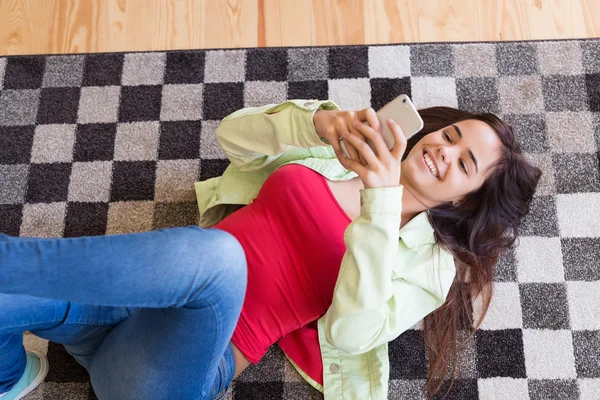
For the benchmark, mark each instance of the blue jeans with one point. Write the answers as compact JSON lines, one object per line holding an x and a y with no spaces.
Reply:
{"x":149,"y":315}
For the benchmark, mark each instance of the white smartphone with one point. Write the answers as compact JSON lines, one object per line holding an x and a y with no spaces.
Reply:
{"x":404,"y":113}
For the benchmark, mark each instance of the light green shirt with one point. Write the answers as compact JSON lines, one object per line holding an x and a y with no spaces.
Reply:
{"x":389,"y":279}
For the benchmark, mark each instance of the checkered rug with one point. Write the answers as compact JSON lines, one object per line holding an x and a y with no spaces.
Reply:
{"x":111,"y":143}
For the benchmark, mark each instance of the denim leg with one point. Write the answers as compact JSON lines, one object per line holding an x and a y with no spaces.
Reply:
{"x":162,"y":268}
{"x":189,"y":281}
{"x":19,"y":314}
{"x":12,"y":360}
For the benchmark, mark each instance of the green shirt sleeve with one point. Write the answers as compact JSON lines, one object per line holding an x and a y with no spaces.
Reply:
{"x":374,"y":299}
{"x":254,"y":137}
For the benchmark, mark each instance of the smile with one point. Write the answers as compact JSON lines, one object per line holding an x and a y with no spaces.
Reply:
{"x":431,"y":165}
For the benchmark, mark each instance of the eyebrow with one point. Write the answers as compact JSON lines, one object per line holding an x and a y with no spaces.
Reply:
{"x":470,"y":152}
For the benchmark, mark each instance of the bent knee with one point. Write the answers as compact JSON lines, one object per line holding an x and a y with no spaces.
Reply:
{"x":218,"y":253}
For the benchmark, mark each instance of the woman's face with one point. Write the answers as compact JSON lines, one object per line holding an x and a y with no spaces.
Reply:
{"x":446,"y":165}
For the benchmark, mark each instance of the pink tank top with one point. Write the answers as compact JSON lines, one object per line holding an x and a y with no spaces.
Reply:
{"x":293,"y":237}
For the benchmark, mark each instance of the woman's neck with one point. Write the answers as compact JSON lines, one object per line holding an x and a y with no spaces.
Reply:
{"x":411,"y":207}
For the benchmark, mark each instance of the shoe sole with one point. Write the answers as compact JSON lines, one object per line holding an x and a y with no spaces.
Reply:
{"x":40,"y":376}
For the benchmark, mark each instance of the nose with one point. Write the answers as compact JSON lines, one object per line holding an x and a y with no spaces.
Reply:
{"x":447,"y":153}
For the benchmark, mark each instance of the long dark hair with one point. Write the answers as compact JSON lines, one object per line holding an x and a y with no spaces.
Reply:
{"x":476,"y":232}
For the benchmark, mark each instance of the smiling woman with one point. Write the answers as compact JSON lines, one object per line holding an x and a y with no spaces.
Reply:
{"x":482,"y":190}
{"x":443,"y":167}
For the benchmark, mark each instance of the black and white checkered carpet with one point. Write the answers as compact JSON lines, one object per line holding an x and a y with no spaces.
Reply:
{"x":111,"y":143}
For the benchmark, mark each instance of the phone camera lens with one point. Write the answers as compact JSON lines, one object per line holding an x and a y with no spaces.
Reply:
{"x":404,"y":100}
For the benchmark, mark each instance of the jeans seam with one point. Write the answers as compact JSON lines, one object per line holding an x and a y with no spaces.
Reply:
{"x":217,"y":333}
{"x":29,"y":324}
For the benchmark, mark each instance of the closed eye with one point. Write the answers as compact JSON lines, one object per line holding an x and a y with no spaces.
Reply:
{"x":447,"y":137}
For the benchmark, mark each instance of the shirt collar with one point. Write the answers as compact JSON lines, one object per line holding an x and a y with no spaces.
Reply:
{"x":418,"y":233}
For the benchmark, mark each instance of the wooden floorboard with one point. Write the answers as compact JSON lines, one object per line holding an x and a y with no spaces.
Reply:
{"x":82,"y":26}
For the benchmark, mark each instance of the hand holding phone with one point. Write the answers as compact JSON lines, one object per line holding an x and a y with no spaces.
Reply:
{"x":404,"y":113}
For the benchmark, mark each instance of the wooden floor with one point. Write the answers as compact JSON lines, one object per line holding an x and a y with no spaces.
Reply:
{"x":81,"y":26}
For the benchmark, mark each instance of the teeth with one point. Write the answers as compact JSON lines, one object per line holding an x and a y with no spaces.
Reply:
{"x":431,"y":165}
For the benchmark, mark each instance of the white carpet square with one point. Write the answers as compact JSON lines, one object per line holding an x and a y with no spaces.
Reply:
{"x":539,"y":259}
{"x":505,"y":308}
{"x":584,"y":305}
{"x":389,"y":61}
{"x":548,"y":354}
{"x":578,"y":214}
{"x":428,"y":91}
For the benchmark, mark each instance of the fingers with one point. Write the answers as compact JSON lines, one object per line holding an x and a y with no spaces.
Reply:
{"x":352,"y":165}
{"x":362,"y":147}
{"x":375,"y":137}
{"x":373,"y":119}
{"x":399,"y":138}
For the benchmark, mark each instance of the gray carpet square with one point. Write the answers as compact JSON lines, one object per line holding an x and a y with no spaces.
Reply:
{"x":19,"y":107}
{"x":544,"y":306}
{"x":136,"y":141}
{"x":90,"y":181}
{"x":587,"y":359}
{"x":181,"y":102}
{"x":555,"y":389}
{"x":576,"y":173}
{"x":225,"y":66}
{"x":581,"y":257}
{"x":571,"y":132}
{"x":409,"y":389}
{"x":308,"y":64}
{"x":13,"y":183}
{"x":516,"y":58}
{"x":477,"y":94}
{"x":143,"y":69}
{"x":475,"y":60}
{"x":432,"y":60}
{"x":560,"y":58}
{"x":531,"y":131}
{"x":520,"y":94}
{"x":258,"y":93}
{"x":43,"y":219}
{"x":63,"y":71}
{"x":590,"y":53}
{"x":99,"y":104}
{"x":565,"y":93}
{"x":269,"y":367}
{"x":53,"y":143}
{"x":541,"y":220}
